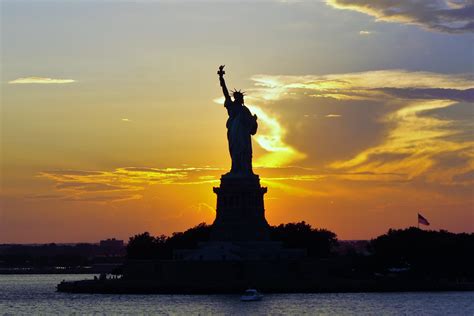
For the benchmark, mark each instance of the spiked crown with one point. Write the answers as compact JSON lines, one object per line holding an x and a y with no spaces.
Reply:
{"x":238,"y":94}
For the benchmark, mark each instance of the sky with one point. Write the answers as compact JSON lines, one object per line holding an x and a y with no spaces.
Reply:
{"x":112,"y":118}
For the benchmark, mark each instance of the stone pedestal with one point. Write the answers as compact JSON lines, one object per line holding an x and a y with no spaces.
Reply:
{"x":240,"y":231}
{"x":240,"y":212}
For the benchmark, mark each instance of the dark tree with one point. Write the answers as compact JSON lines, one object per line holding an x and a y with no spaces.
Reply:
{"x":318,"y":242}
{"x":426,"y":253}
{"x":190,"y":238}
{"x":145,"y":246}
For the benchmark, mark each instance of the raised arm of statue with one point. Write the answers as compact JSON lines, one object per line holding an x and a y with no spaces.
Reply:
{"x":221,"y":73}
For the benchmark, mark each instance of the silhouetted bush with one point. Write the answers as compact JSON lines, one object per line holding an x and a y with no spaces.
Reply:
{"x":426,"y":253}
{"x":190,"y":238}
{"x":144,"y":246}
{"x":318,"y":242}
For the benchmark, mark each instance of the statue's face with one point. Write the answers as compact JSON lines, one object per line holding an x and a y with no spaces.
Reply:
{"x":239,"y":98}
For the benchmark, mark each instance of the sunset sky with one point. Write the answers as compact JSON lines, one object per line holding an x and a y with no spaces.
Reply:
{"x":112,"y":118}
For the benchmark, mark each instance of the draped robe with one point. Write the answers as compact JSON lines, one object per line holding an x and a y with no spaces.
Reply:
{"x":240,"y":126}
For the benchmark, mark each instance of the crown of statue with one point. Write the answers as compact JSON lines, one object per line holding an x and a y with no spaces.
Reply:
{"x":238,"y":93}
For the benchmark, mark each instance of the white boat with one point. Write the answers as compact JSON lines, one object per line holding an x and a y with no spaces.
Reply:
{"x":251,"y":295}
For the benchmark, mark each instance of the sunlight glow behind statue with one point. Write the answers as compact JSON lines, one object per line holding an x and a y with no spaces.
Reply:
{"x":241,"y":124}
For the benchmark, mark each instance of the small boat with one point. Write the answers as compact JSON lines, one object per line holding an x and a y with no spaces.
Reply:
{"x":251,"y":295}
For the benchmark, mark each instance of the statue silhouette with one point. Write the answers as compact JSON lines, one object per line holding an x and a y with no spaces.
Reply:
{"x":241,"y":124}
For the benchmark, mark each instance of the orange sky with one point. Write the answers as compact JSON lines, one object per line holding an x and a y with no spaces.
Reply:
{"x":113,"y":124}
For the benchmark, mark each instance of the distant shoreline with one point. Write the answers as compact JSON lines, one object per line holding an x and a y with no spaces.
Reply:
{"x":48,"y":271}
{"x":328,"y":286}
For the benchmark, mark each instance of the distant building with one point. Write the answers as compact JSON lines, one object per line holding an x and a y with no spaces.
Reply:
{"x":112,"y":247}
{"x":347,"y":247}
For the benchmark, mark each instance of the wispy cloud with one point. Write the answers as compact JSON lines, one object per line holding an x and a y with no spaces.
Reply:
{"x":40,"y":80}
{"x":123,"y":183}
{"x":414,"y":137}
{"x":348,"y":84}
{"x":333,"y":115}
{"x":129,"y":183}
{"x":449,"y":16}
{"x":272,"y":138}
{"x":365,"y":32}
{"x":417,"y":138}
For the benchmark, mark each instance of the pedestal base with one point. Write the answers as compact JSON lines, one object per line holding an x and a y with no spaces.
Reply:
{"x":240,"y":231}
{"x":240,"y":212}
{"x":239,"y":251}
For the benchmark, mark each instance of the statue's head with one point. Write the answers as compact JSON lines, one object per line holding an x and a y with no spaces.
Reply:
{"x":238,"y":96}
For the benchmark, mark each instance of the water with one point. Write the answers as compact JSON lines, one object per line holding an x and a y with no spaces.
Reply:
{"x":35,"y":294}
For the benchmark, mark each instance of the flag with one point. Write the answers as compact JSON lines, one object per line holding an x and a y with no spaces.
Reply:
{"x":422,"y":220}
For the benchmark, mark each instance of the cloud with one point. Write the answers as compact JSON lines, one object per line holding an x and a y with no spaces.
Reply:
{"x":277,"y":87}
{"x":93,"y":187}
{"x":270,"y":137}
{"x":466,"y":95}
{"x":405,"y":104}
{"x":449,"y":16}
{"x":129,"y":183}
{"x":122,"y":183}
{"x":467,"y":177}
{"x":333,"y":115}
{"x":102,"y":198}
{"x":365,"y":32}
{"x":40,"y":80}
{"x":126,"y":120}
{"x":44,"y":196}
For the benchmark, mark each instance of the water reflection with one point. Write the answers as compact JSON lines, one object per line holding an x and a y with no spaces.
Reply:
{"x":35,"y":294}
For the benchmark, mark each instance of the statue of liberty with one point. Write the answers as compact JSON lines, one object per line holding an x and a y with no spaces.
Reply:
{"x":241,"y":124}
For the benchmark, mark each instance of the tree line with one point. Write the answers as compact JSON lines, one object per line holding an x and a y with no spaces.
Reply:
{"x":413,"y":252}
{"x":318,"y":242}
